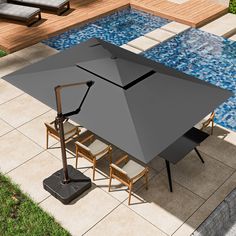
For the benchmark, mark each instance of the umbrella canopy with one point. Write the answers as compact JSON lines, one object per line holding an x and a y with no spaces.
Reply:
{"x":137,"y":104}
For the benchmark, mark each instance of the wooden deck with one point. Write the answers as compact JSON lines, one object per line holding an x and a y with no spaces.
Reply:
{"x":194,"y":13}
{"x":15,"y":36}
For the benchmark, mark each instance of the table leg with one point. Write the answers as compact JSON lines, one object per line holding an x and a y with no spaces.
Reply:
{"x":169,"y":175}
{"x":200,"y":157}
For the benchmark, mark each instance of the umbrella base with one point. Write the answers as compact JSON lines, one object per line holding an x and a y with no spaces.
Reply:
{"x":67,"y":192}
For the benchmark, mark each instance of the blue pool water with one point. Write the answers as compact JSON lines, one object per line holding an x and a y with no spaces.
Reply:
{"x":200,"y":54}
{"x":117,"y":28}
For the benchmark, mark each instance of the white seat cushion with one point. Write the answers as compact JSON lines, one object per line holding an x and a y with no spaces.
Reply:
{"x":51,"y":3}
{"x":96,"y":147}
{"x":132,"y":168}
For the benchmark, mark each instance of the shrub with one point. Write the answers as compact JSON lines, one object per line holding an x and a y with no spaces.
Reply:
{"x":2,"y":53}
{"x":232,"y":6}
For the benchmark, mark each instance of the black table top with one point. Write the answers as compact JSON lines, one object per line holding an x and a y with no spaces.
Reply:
{"x":183,"y":145}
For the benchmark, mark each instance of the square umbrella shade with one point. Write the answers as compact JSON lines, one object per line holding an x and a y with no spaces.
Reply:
{"x":137,"y":104}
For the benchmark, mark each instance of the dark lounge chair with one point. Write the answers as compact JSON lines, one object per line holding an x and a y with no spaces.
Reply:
{"x":29,"y":15}
{"x":58,"y":6}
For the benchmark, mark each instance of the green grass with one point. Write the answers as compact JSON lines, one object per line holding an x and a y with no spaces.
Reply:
{"x":19,"y":215}
{"x":232,"y":6}
{"x":2,"y":53}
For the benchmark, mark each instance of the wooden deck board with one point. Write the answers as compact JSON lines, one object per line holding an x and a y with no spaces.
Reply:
{"x":15,"y":36}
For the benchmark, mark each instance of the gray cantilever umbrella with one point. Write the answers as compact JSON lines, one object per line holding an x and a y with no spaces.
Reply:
{"x":137,"y":104}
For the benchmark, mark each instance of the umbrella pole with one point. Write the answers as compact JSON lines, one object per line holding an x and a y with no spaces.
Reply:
{"x":59,"y":120}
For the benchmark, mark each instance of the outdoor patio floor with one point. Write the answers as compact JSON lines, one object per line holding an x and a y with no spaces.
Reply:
{"x":15,"y":36}
{"x":198,"y":188}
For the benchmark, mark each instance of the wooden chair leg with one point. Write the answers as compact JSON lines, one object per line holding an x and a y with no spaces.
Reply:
{"x":146,"y":179}
{"x":109,"y":187}
{"x":46,"y":139}
{"x":76,"y":157}
{"x":130,"y":190}
{"x":212,"y":126}
{"x":94,"y":168}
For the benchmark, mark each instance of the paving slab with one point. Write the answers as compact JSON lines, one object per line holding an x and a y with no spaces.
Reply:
{"x":36,"y":52}
{"x":36,"y":129}
{"x":224,"y":26}
{"x":11,"y":63}
{"x":22,"y":109}
{"x":219,"y":149}
{"x":205,"y":210}
{"x":84,"y":212}
{"x":124,"y":222}
{"x":166,"y":210}
{"x":159,"y":35}
{"x":143,"y":43}
{"x":4,"y":127}
{"x":175,"y":27}
{"x":201,"y":179}
{"x":8,"y":91}
{"x":132,"y":49}
{"x":15,"y":150}
{"x":31,"y":174}
{"x":233,"y":37}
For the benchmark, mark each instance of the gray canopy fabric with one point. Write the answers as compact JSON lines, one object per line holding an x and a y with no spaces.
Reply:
{"x":137,"y":104}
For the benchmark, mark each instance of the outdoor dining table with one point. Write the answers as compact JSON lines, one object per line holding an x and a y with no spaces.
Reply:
{"x":181,"y":147}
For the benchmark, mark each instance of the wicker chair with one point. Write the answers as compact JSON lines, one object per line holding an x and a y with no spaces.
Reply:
{"x":70,"y":131}
{"x":92,"y":152}
{"x":128,"y":174}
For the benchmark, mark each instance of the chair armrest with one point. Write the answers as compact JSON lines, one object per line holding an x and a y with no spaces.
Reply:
{"x":79,"y":144}
{"x":122,"y":159}
{"x":118,"y":169}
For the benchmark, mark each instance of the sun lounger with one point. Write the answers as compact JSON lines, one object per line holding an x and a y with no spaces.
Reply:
{"x":58,"y":6}
{"x":29,"y":15}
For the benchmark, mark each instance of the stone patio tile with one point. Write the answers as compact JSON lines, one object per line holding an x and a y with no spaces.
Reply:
{"x":202,"y":179}
{"x":166,"y":210}
{"x":4,"y":127}
{"x":21,"y":110}
{"x":143,"y":43}
{"x":55,"y":150}
{"x":175,"y":27}
{"x":124,"y":222}
{"x":36,"y":52}
{"x":15,"y":150}
{"x":118,"y":190}
{"x":8,"y":91}
{"x":223,"y":26}
{"x":205,"y":210}
{"x":84,"y":212}
{"x":36,"y":129}
{"x":157,"y":164}
{"x":132,"y":49}
{"x":159,"y":35}
{"x":220,"y":149}
{"x":31,"y":174}
{"x":233,"y":37}
{"x":11,"y":63}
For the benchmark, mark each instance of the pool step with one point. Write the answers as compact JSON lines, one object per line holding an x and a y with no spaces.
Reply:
{"x":224,"y":26}
{"x":143,"y":43}
{"x":175,"y":27}
{"x":159,"y":35}
{"x":132,"y":49}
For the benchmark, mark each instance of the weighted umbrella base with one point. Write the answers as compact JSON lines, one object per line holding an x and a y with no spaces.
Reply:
{"x":67,"y":192}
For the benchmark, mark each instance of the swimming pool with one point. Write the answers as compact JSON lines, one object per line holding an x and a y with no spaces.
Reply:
{"x":117,"y":28}
{"x":194,"y":52}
